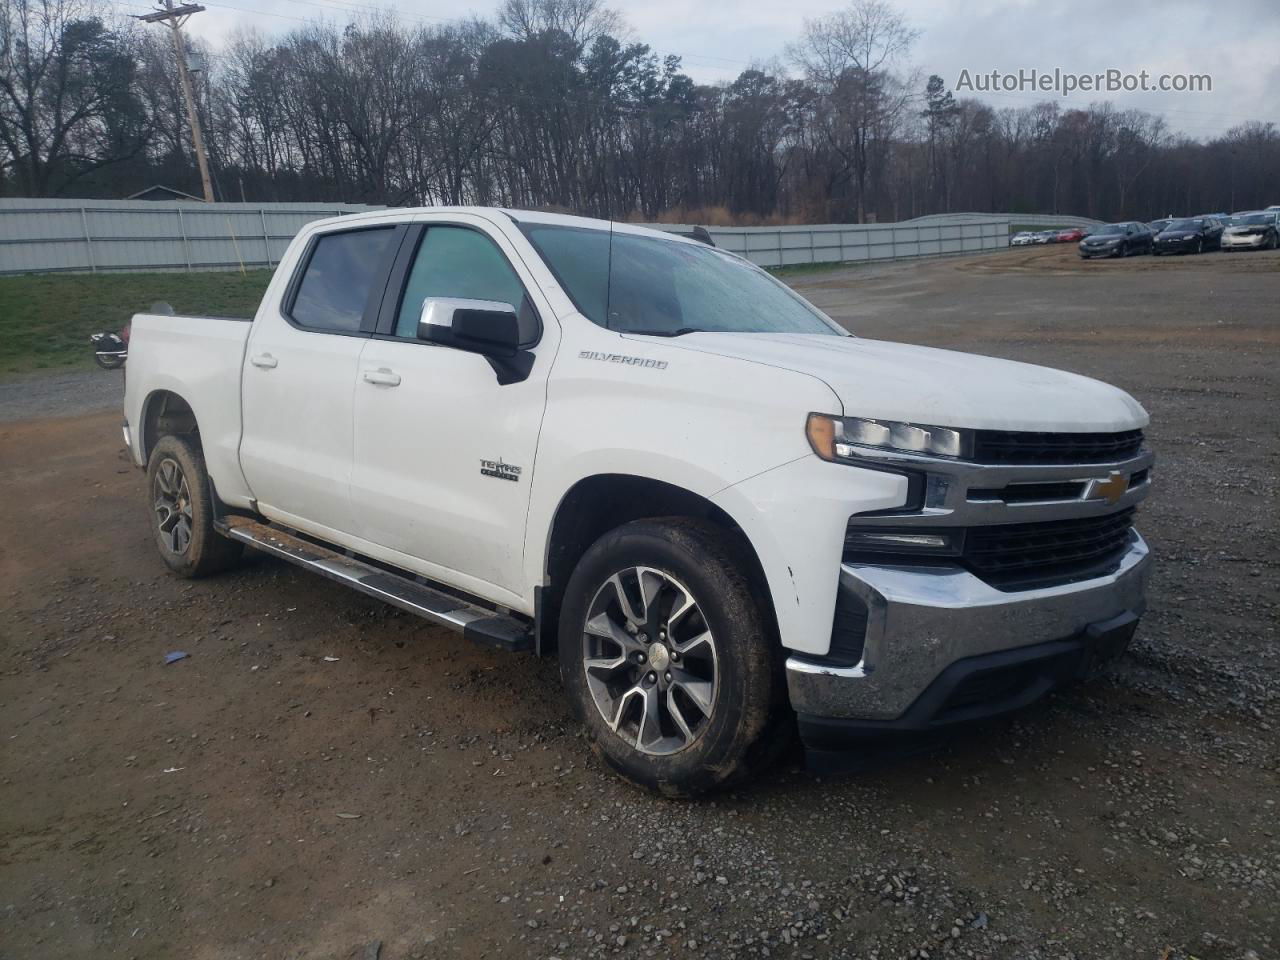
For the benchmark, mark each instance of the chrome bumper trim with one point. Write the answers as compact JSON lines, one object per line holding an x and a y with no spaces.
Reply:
{"x":922,"y":620}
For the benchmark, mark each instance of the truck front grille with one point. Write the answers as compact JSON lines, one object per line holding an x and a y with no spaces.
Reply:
{"x":1016,"y":555}
{"x":1027,"y":447}
{"x":1012,"y":556}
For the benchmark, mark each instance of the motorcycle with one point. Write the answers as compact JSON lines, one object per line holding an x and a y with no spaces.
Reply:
{"x":110,"y":350}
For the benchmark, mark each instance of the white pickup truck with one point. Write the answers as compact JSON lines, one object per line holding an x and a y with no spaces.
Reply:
{"x":646,"y":456}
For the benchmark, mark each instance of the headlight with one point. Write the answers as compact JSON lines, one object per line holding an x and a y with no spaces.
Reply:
{"x":838,"y":438}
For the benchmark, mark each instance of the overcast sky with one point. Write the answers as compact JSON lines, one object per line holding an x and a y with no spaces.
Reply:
{"x":1237,"y":42}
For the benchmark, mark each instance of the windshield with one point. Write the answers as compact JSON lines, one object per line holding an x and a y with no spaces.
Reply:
{"x":647,"y":285}
{"x":1185,"y":225}
{"x":1108,"y":229}
{"x":1253,"y":220}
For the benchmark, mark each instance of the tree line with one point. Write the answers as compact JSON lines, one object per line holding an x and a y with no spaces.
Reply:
{"x":551,"y":104}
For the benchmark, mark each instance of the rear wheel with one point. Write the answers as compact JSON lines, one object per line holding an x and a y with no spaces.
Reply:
{"x":668,"y":660}
{"x":108,"y":363}
{"x":182,"y":511}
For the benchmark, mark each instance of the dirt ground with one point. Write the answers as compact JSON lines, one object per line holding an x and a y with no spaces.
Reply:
{"x":325,"y":777}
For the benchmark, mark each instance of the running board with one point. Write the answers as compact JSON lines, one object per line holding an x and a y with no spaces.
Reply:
{"x":472,"y":620}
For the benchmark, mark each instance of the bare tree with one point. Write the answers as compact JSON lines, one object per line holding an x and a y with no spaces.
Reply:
{"x":849,"y":57}
{"x":66,"y":101}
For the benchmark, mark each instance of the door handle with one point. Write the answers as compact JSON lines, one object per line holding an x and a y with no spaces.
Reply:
{"x":264,"y":360}
{"x":382,"y":377}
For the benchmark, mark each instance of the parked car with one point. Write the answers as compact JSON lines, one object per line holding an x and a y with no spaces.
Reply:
{"x":1070,"y":235}
{"x":579,"y":438}
{"x":1189,"y":235}
{"x":1155,"y":226}
{"x":1046,"y":236}
{"x":1252,"y":231}
{"x":1022,"y":239}
{"x":1116,"y":240}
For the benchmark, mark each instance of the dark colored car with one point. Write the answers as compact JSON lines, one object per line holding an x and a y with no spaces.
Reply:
{"x":1116,"y":240}
{"x":1191,"y":235}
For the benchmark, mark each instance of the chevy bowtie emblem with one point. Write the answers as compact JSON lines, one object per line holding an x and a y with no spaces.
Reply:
{"x":1110,"y":489}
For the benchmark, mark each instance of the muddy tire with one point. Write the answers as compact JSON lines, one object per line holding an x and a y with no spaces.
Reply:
{"x":182,"y":512}
{"x":669,"y":660}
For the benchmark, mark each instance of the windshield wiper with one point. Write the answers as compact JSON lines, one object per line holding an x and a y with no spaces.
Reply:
{"x":679,"y":332}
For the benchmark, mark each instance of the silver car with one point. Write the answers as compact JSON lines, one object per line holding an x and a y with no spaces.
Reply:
{"x":1253,"y":231}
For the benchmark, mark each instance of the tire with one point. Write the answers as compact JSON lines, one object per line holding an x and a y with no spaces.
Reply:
{"x":182,"y":511}
{"x":108,"y":363}
{"x":721,"y":653}
{"x":1199,"y":246}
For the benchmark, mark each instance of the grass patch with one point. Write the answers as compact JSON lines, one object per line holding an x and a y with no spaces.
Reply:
{"x":803,"y":269}
{"x":46,"y":319}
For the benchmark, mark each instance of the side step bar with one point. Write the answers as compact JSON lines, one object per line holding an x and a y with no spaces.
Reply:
{"x":472,"y":620}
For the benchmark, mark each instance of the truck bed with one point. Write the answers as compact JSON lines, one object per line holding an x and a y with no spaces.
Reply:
{"x":200,"y":359}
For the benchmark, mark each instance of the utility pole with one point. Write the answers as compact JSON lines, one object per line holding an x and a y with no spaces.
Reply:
{"x":174,"y":17}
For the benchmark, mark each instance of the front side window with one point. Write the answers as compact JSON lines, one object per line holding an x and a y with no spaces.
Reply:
{"x":338,"y":277}
{"x":460,"y":263}
{"x":648,"y":285}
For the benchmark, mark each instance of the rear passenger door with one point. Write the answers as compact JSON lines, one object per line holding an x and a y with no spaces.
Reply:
{"x":444,"y":453}
{"x":298,"y":377}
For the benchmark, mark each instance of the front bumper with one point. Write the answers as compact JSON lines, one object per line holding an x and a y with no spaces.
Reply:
{"x":922,"y":622}
{"x":1244,"y":241}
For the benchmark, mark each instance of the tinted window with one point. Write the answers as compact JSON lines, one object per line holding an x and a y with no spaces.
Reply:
{"x":458,"y":263}
{"x":338,"y":277}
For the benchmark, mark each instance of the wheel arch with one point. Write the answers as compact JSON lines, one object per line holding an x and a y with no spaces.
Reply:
{"x":165,"y":412}
{"x":596,"y":504}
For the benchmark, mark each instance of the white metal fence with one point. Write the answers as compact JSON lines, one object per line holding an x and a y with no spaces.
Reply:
{"x":1029,"y":219}
{"x":853,"y":243}
{"x":90,"y":236}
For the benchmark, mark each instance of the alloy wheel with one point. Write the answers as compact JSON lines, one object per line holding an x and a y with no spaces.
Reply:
{"x":650,"y":660}
{"x":172,"y":500}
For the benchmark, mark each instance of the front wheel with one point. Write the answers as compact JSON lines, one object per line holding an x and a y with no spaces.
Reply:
{"x":669,"y":660}
{"x":182,"y":511}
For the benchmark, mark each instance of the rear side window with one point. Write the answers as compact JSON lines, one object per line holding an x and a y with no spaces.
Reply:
{"x":464,"y":264}
{"x":338,"y":277}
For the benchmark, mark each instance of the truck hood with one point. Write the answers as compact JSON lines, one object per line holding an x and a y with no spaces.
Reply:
{"x":896,"y":381}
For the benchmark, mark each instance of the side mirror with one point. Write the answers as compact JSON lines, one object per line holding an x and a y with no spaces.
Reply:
{"x":487,"y":327}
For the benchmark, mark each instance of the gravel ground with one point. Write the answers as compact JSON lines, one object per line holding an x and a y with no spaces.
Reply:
{"x":61,"y":394}
{"x":325,"y":777}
